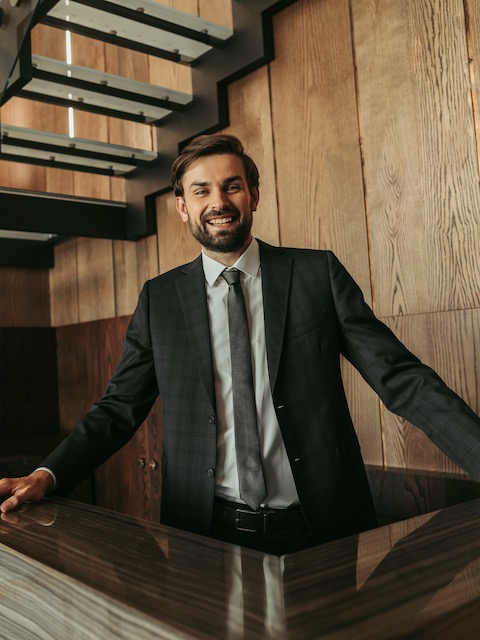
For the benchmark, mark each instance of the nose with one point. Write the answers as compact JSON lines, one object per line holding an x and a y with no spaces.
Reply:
{"x":218,"y":199}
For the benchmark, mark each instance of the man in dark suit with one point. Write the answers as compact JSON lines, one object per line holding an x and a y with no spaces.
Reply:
{"x":304,"y":311}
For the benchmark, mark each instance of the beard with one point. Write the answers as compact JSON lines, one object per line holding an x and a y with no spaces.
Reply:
{"x":222,"y":241}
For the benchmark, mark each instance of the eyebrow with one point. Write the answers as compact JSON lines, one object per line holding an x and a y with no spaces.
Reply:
{"x":205,"y":183}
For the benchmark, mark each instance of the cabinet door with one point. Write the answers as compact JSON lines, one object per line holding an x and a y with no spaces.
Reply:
{"x":130,"y":481}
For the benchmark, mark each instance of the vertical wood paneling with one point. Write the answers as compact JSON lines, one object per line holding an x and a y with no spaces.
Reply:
{"x":96,"y":290}
{"x":16,"y":175}
{"x":134,"y":264}
{"x":24,"y":297}
{"x":448,"y":342}
{"x":251,"y":121}
{"x":420,"y":159}
{"x":218,"y":11}
{"x":318,"y":162}
{"x":64,"y":285}
{"x":48,"y":42}
{"x":314,"y":110}
{"x":176,"y":244}
{"x":472,"y":21}
{"x":87,"y":355}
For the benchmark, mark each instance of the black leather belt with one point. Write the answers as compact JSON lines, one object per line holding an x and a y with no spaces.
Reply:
{"x":265,"y":520}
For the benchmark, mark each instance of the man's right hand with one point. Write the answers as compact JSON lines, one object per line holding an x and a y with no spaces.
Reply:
{"x":30,"y":488}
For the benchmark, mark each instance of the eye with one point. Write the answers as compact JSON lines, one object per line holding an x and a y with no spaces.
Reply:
{"x":201,"y":192}
{"x":233,"y":188}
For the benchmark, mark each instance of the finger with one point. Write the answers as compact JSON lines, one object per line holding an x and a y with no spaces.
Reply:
{"x":6,"y":485}
{"x":9,"y":518}
{"x":12,"y":503}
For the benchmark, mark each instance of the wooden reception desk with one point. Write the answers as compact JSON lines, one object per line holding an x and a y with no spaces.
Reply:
{"x":72,"y":571}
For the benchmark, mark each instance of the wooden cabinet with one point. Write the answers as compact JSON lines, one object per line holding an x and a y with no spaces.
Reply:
{"x":130,"y":481}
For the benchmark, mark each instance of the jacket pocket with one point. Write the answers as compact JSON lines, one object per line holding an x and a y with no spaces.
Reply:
{"x":301,"y":328}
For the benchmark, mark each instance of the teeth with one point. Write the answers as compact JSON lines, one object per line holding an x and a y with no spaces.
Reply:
{"x":220,"y":221}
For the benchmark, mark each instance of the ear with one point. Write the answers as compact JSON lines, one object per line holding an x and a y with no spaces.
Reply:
{"x":181,"y":208}
{"x":255,"y":198}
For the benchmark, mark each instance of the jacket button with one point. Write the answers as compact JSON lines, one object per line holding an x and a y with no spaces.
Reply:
{"x":211,"y":473}
{"x":212,"y":420}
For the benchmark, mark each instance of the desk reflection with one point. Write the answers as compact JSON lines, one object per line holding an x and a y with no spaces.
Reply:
{"x":70,"y":570}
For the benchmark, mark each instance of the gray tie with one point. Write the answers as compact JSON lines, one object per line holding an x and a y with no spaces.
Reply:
{"x":247,"y":447}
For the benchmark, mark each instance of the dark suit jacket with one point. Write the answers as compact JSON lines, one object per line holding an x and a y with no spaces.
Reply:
{"x":314,"y":312}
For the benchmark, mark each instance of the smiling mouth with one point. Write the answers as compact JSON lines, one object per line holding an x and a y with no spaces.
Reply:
{"x":218,"y":222}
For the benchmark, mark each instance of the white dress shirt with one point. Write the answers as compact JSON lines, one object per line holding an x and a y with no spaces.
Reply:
{"x":278,"y":475}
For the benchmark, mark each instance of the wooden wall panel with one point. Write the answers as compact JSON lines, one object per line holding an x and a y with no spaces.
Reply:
{"x":318,"y":161}
{"x":448,"y":342}
{"x":96,"y":290}
{"x":176,"y":244}
{"x":20,"y":112}
{"x":314,"y":111}
{"x":64,"y":285}
{"x":87,"y":356}
{"x":218,"y":11}
{"x":421,"y":166}
{"x":134,"y":264}
{"x":48,"y":42}
{"x":16,"y":175}
{"x":473,"y":40}
{"x":24,"y":297}
{"x":251,"y":121}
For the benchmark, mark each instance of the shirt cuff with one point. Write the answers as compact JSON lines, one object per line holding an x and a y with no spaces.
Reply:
{"x":51,"y":473}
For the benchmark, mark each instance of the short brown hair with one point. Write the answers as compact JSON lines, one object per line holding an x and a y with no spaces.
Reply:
{"x":211,"y":145}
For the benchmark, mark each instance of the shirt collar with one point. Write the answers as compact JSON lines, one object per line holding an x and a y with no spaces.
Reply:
{"x":248,"y":262}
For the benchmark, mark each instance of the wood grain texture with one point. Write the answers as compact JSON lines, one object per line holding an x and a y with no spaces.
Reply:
{"x":171,"y":75}
{"x":24,"y":299}
{"x":421,"y":168}
{"x":96,"y":292}
{"x":99,"y":574}
{"x":64,"y":285}
{"x":48,"y":42}
{"x":318,"y":163}
{"x":472,"y":22}
{"x":16,"y":175}
{"x":176,"y":244}
{"x":87,"y":356}
{"x":217,"y":11}
{"x":449,"y":343}
{"x":134,"y":264}
{"x":251,"y":121}
{"x":316,"y":137}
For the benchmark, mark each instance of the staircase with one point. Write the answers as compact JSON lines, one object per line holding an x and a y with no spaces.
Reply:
{"x":162,"y":37}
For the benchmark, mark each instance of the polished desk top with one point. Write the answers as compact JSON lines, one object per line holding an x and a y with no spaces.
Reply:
{"x":72,"y":571}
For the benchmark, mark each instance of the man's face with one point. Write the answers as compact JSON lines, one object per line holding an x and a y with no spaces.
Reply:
{"x":217,"y":203}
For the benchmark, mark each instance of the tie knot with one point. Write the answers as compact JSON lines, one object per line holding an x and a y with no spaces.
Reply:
{"x":232,"y":276}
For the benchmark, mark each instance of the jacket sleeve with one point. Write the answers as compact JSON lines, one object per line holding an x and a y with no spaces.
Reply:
{"x":407,"y":387}
{"x":116,"y":416}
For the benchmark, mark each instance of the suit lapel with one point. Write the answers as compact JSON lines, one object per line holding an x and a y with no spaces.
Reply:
{"x":193,"y":300}
{"x":276,"y":266}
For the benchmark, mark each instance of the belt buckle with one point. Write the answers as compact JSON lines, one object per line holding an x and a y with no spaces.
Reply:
{"x":263,"y":512}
